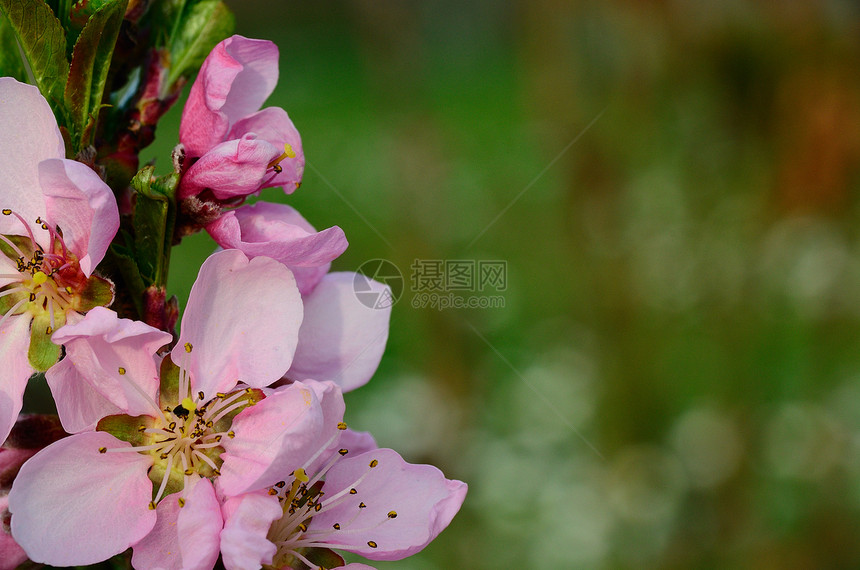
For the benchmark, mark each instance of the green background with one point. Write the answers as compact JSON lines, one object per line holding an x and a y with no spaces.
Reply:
{"x":674,"y":378}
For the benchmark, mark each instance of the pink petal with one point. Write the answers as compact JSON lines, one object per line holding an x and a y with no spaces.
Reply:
{"x":234,"y":81}
{"x":72,"y":505}
{"x":279,"y":435}
{"x":423,"y":500}
{"x":183,"y":538}
{"x":116,"y":358}
{"x":14,"y":343}
{"x":235,"y":168}
{"x":79,"y":405}
{"x":83,"y":206}
{"x":11,"y":554}
{"x":241,"y":323}
{"x":247,"y":519}
{"x":341,"y":339}
{"x":28,"y":135}
{"x":357,"y":566}
{"x":280,"y":232}
{"x":274,"y":125}
{"x":355,"y":442}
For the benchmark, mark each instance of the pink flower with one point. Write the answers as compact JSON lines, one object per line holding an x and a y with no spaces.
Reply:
{"x":280,"y":232}
{"x":154,"y":477}
{"x":373,"y":504}
{"x":234,"y":148}
{"x":341,"y":339}
{"x":58,"y":220}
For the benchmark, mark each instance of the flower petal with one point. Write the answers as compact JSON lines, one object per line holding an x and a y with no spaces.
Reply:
{"x":341,"y":339}
{"x":234,"y":81}
{"x":11,"y":554}
{"x":72,"y":505}
{"x":116,"y":357}
{"x":247,"y":519}
{"x":28,"y":135}
{"x":14,"y":341}
{"x":419,"y":497}
{"x":231,"y":169}
{"x":183,"y":538}
{"x":274,"y":125}
{"x":280,"y":434}
{"x":280,"y":232}
{"x":83,"y":206}
{"x":79,"y":405}
{"x":241,"y":323}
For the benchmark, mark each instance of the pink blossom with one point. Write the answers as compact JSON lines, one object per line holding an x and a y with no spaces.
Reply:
{"x":280,"y":232}
{"x":371,"y":503}
{"x":341,"y":339}
{"x":209,"y":430}
{"x":235,"y":149}
{"x":58,"y":220}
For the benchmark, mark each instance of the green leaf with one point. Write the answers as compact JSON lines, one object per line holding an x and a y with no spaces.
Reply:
{"x":122,"y":259}
{"x":43,"y":42}
{"x":154,"y":216}
{"x":43,"y":353}
{"x":203,"y":25}
{"x":91,"y":60}
{"x":11,"y":64}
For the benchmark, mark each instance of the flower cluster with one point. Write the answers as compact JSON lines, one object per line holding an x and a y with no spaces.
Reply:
{"x":224,"y":444}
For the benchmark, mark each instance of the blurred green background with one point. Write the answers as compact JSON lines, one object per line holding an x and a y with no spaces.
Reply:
{"x":674,"y":378}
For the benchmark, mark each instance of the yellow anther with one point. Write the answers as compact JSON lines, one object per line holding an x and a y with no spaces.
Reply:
{"x":341,"y":426}
{"x":371,"y":544}
{"x":288,"y":153}
{"x":392,"y":514}
{"x":103,"y":450}
{"x":152,"y":505}
{"x":188,"y":347}
{"x":7,"y":212}
{"x":69,"y":289}
{"x":181,"y":502}
{"x":39,"y":277}
{"x":121,"y":371}
{"x":374,"y":463}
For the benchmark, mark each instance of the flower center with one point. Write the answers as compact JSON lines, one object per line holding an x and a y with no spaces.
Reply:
{"x":304,"y":497}
{"x":46,"y":282}
{"x":184,"y":438}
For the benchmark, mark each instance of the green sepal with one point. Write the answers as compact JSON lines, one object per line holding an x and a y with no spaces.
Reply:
{"x":43,"y":353}
{"x":202,"y":26}
{"x":169,"y":386}
{"x":91,"y":60}
{"x":98,"y":292}
{"x":43,"y":41}
{"x":321,"y":557}
{"x":127,"y":428}
{"x":11,"y":64}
